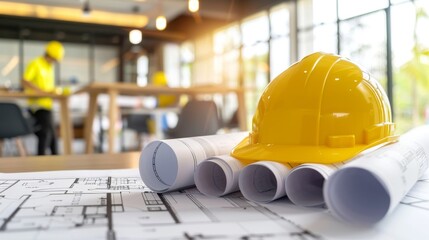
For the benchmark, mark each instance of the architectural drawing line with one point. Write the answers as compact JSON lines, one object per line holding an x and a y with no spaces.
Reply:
{"x":7,"y":220}
{"x":169,"y":209}
{"x":110,"y":231}
{"x":9,"y":186}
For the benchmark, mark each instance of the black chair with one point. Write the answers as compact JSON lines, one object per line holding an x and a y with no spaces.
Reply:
{"x":13,"y":124}
{"x":138,"y":123}
{"x":197,"y":118}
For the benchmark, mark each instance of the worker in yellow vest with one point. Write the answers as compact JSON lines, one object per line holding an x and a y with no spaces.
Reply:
{"x":39,"y":78}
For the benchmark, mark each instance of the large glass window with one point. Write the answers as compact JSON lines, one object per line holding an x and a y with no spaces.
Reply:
{"x":172,"y":64}
{"x":315,"y":12}
{"x":203,"y":66}
{"x":106,"y":63}
{"x":255,"y":59}
{"x":226,"y":43}
{"x":75,"y":65}
{"x":347,"y":8}
{"x":187,"y":58}
{"x":320,"y":38}
{"x":363,"y":39}
{"x":280,"y":39}
{"x":9,"y":64}
{"x":255,"y":29}
{"x":411,"y":63}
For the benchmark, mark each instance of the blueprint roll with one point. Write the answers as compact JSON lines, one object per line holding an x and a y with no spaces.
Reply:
{"x":368,"y":188}
{"x":304,"y":184}
{"x":168,"y":165}
{"x":218,"y":176}
{"x":263,"y":181}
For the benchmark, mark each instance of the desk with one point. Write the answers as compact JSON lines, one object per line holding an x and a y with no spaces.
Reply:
{"x":65,"y":122}
{"x":130,"y":89}
{"x":71,"y":162}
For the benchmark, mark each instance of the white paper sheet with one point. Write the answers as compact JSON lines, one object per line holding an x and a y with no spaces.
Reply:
{"x":304,"y":183}
{"x":218,"y":176}
{"x":169,"y":165}
{"x":115,"y":204}
{"x":263,"y":181}
{"x":371,"y":186}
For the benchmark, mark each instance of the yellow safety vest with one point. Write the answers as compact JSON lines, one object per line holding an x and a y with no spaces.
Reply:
{"x":40,"y":73}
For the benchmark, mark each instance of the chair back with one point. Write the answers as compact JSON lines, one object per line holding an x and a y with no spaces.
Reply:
{"x":12,"y":121}
{"x":197,"y":118}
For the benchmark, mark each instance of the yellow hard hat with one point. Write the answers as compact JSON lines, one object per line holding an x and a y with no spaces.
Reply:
{"x":323,"y":109}
{"x":159,"y":79}
{"x":55,"y":50}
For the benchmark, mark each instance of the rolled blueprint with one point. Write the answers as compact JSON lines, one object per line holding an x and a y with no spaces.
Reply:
{"x":304,"y":184}
{"x":263,"y":181}
{"x":371,"y":186}
{"x":168,"y":165}
{"x":218,"y":176}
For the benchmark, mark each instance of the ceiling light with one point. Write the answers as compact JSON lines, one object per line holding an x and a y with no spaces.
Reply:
{"x":161,"y":23}
{"x":193,"y":5}
{"x":135,"y":36}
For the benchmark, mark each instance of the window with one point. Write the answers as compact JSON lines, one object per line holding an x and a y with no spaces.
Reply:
{"x":410,"y":63}
{"x":280,"y":40}
{"x":363,"y":39}
{"x":226,"y":44}
{"x":347,"y":8}
{"x":172,"y":64}
{"x":203,"y":66}
{"x":315,"y":12}
{"x":256,"y":24}
{"x":9,"y":64}
{"x":187,"y":58}
{"x":106,"y":63}
{"x":75,"y":65}
{"x":142,"y":70}
{"x":320,"y":38}
{"x":255,"y":59}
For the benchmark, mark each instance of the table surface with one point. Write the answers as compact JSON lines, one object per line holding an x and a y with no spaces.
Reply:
{"x":69,"y":162}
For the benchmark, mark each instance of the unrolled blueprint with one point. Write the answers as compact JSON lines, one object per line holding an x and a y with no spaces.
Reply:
{"x":116,"y":205}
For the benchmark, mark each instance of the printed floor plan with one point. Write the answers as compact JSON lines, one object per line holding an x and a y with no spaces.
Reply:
{"x":102,"y":205}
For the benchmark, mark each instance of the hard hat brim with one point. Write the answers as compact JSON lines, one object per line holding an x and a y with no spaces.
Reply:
{"x":249,"y":153}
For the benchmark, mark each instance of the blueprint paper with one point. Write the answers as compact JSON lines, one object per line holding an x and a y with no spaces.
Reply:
{"x":263,"y":181}
{"x":304,"y":183}
{"x":116,"y":205}
{"x":371,"y":185}
{"x":169,"y":165}
{"x":218,"y":176}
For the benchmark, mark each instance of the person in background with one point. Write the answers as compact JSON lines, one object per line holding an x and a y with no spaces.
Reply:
{"x":39,"y":78}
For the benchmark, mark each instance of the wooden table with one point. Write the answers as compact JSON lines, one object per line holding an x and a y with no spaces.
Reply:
{"x":130,"y":89}
{"x":65,"y":122}
{"x":70,"y":162}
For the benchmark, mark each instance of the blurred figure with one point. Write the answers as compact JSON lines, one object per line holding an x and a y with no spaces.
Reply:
{"x":39,"y":78}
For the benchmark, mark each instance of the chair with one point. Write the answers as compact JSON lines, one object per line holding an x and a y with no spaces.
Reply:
{"x":13,"y":124}
{"x":197,"y":118}
{"x":137,"y":122}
